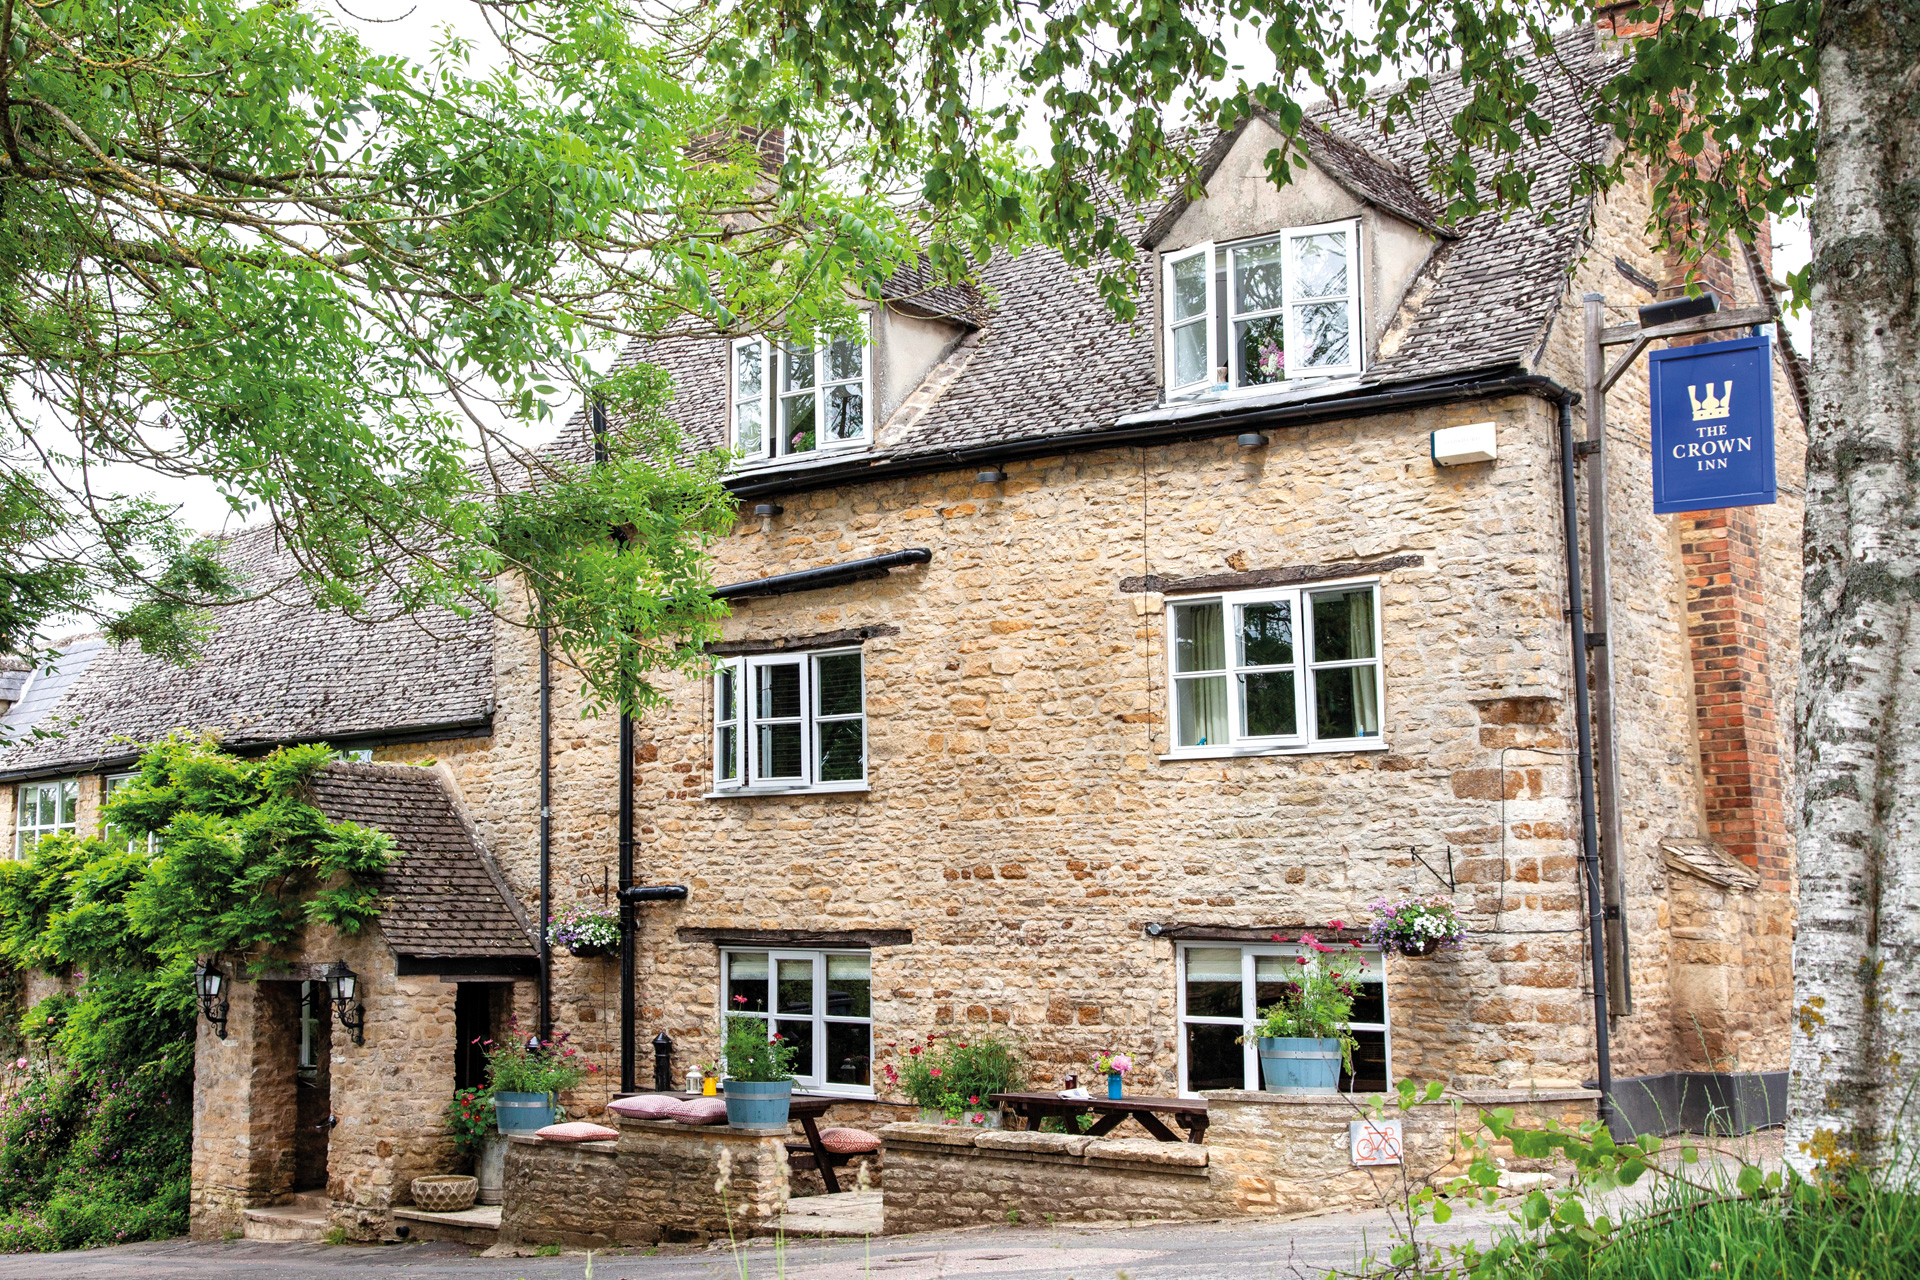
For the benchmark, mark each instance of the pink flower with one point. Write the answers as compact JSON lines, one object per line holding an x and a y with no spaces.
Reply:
{"x":1335,"y":924}
{"x":1121,"y":1063}
{"x":935,"y":1073}
{"x":22,"y":1063}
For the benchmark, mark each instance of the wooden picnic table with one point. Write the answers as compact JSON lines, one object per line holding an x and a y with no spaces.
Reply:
{"x":807,"y":1108}
{"x":1189,"y":1113}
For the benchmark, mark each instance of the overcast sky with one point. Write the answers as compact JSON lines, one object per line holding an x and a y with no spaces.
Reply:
{"x":413,"y":29}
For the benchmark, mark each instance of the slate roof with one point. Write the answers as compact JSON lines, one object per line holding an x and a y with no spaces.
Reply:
{"x":442,"y":897}
{"x":1050,"y":360}
{"x":276,"y":670}
{"x":38,"y":690}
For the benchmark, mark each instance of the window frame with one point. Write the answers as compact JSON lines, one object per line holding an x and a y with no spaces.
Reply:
{"x":108,"y":785}
{"x":1222,"y":273}
{"x":1291,"y":237}
{"x":773,"y":402}
{"x":746,"y":776}
{"x":69,"y":792}
{"x":1306,"y":737}
{"x":1209,"y":318}
{"x":1250,"y":1059}
{"x":815,"y":1077}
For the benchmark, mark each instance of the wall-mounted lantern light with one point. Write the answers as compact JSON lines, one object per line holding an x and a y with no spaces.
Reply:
{"x":210,"y":984}
{"x":767,"y":510}
{"x":1252,"y":440}
{"x":343,"y":984}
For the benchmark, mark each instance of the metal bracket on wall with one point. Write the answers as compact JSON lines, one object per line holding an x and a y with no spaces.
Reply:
{"x":1447,"y":879}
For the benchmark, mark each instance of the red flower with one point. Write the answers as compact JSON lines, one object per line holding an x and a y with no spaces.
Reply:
{"x":935,"y":1073}
{"x":739,"y":999}
{"x":1335,"y":924}
{"x":915,"y":1050}
{"x":975,"y":1099}
{"x":1299,"y":959}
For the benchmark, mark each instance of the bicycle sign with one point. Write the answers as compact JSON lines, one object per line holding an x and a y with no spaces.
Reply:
{"x":1374,"y":1142}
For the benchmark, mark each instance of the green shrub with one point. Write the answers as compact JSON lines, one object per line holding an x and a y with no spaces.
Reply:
{"x":753,"y":1057}
{"x":957,"y":1073}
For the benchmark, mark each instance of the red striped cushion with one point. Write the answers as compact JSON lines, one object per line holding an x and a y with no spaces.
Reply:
{"x":701,"y":1111}
{"x":849,"y":1142}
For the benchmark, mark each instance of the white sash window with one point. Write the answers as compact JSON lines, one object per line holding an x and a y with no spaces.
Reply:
{"x":790,"y":722}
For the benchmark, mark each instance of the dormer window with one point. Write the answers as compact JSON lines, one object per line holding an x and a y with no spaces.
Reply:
{"x":790,"y":399}
{"x":1257,"y":312}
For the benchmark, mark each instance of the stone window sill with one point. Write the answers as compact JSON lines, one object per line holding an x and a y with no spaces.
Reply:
{"x":1235,"y":753}
{"x":748,"y":793}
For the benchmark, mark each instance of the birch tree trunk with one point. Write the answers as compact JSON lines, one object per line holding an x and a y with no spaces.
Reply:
{"x":1856,"y":1044}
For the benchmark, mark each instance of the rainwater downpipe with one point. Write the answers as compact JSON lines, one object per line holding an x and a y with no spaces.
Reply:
{"x":546,"y":838}
{"x":1583,"y":727}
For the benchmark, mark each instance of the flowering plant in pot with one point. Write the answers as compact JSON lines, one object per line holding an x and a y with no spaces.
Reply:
{"x":1303,"y":1037}
{"x":759,"y":1075}
{"x":470,"y":1118}
{"x":1114,"y":1066}
{"x":1415,"y":926}
{"x":523,"y":1077}
{"x":585,"y":931}
{"x":953,"y":1078}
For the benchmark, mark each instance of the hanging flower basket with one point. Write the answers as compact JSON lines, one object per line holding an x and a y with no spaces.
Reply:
{"x":1415,"y":926}
{"x":584,"y":931}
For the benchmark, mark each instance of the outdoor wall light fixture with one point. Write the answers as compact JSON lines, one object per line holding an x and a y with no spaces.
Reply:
{"x":343,"y":984}
{"x":210,"y":984}
{"x":1253,"y":440}
{"x":990,"y":475}
{"x":766,"y":509}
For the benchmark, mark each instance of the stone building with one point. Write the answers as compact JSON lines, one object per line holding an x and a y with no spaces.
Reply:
{"x":1075,"y":668}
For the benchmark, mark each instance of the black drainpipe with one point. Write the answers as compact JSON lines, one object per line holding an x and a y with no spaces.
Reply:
{"x":546,"y":838}
{"x":1583,"y":725}
{"x":627,"y":1084}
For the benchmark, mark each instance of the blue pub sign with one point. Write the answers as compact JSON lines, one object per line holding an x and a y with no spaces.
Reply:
{"x":1712,"y":425}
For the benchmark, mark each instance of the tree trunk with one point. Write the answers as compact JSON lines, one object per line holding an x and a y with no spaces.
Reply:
{"x":1856,"y":1044}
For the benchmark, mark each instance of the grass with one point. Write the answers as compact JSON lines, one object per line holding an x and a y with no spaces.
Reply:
{"x":1860,"y":1233}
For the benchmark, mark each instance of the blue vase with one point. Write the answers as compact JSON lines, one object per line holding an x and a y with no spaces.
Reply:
{"x":1113,"y":1084}
{"x":1292,"y":1064}
{"x":759,"y":1106}
{"x":522,"y":1112}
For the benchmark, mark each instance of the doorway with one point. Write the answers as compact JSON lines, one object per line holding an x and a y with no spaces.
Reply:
{"x":313,"y":1088}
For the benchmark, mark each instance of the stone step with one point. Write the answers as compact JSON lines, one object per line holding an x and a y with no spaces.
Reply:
{"x":308,"y":1200}
{"x":479,"y":1225}
{"x":285,"y":1223}
{"x":851,"y":1213}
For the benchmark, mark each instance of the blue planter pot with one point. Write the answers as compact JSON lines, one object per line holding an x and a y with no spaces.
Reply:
{"x":522,"y":1112}
{"x":1113,"y":1084}
{"x":759,"y":1106}
{"x":1297,"y":1065}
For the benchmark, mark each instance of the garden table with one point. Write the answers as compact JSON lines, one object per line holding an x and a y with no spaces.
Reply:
{"x":1189,"y":1113}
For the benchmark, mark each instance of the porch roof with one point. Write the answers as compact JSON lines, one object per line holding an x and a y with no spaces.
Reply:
{"x":443,"y":896}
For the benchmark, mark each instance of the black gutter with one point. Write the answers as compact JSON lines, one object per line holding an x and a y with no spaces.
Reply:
{"x":546,"y":837}
{"x":831,"y":575}
{"x":1583,"y":725}
{"x":473,"y":727}
{"x":1228,"y":419}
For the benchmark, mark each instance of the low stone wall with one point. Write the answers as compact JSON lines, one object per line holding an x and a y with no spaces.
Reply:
{"x":1275,"y":1154}
{"x":660,"y":1181}
{"x":939,"y":1176}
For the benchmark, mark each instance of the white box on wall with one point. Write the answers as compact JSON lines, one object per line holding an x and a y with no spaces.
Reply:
{"x":1453,"y":446}
{"x":1374,"y":1142}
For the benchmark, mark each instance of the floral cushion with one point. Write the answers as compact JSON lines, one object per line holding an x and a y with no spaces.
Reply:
{"x":577,"y":1131}
{"x":849,"y":1142}
{"x":645,"y":1106}
{"x":701,"y":1111}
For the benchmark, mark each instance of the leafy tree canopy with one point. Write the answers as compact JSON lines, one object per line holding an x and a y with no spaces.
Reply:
{"x":237,"y":244}
{"x":1724,"y":87}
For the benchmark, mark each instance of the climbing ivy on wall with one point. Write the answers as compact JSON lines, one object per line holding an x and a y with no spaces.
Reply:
{"x":203,"y":852}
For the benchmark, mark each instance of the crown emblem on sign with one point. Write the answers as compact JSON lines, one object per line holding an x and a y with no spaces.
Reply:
{"x":1713,"y":406}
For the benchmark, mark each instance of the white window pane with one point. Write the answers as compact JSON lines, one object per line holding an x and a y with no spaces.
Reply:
{"x":1343,"y":625}
{"x":1256,"y":278}
{"x":1346,"y":702}
{"x":1213,"y":983}
{"x":748,"y":372}
{"x":1267,"y":704}
{"x":844,"y":359}
{"x":795,"y":989}
{"x":796,"y":423}
{"x":842,"y":751}
{"x":849,"y":1053}
{"x":776,"y":691}
{"x":1266,"y":633}
{"x":1263,"y":350}
{"x":725,"y":706}
{"x":1190,"y":354}
{"x":727,"y":749}
{"x":1199,"y":643}
{"x":1203,"y":711}
{"x":48,"y":813}
{"x":837,"y":684}
{"x":749,"y":427}
{"x":1323,"y":335}
{"x":1190,"y":288}
{"x":849,"y":988}
{"x":1320,"y":265}
{"x":777,"y":752}
{"x":846,"y":413}
{"x":796,"y":369}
